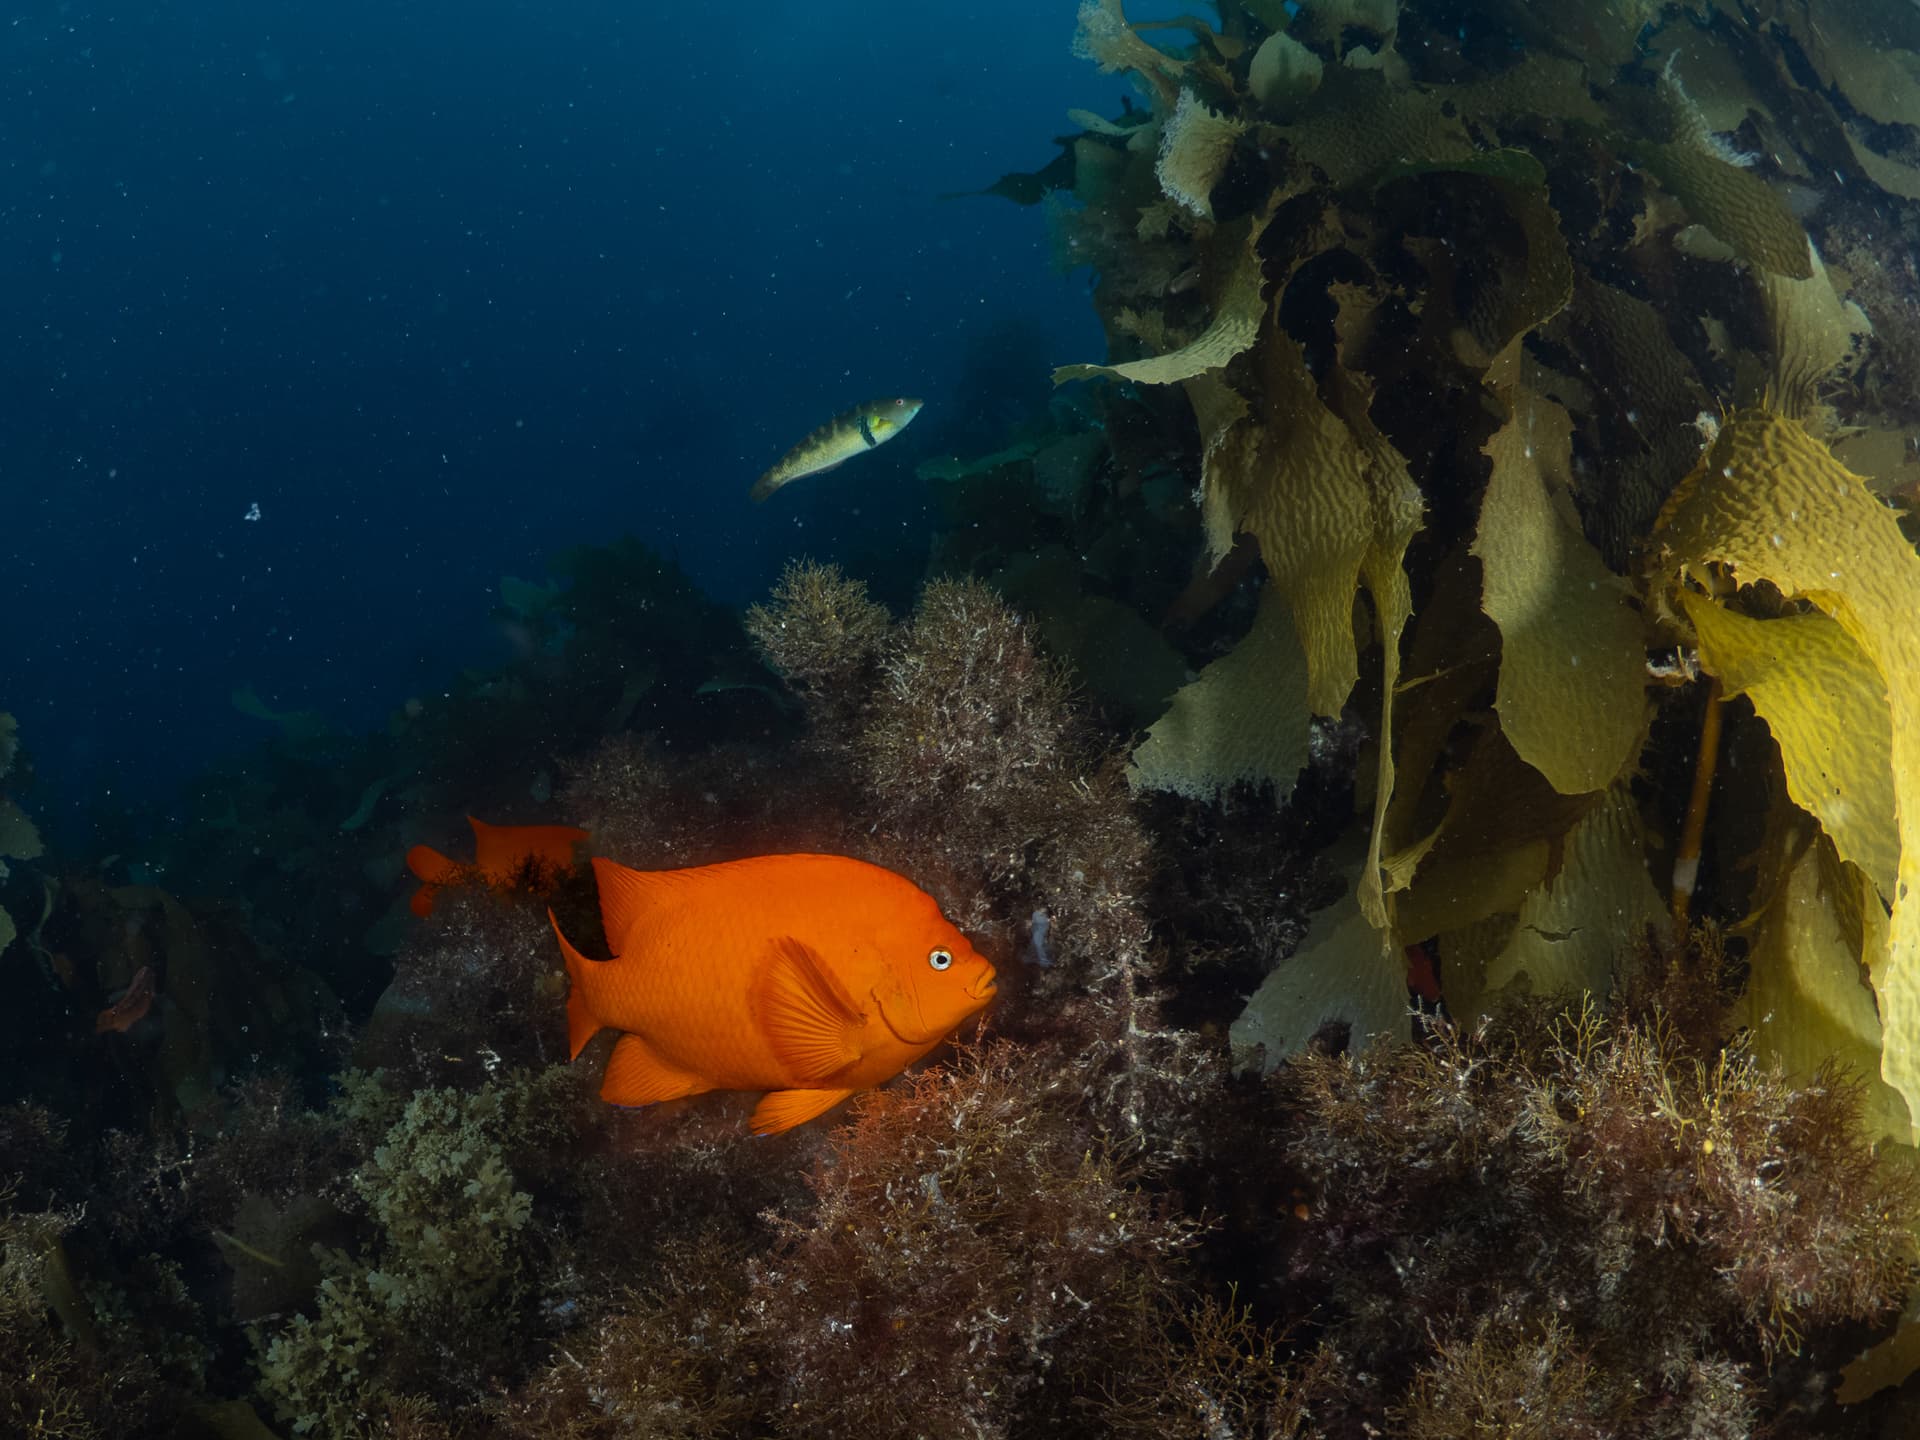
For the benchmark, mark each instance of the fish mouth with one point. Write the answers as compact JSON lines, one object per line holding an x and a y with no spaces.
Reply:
{"x":983,"y":988}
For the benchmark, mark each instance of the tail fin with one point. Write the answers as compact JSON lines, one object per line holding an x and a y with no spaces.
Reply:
{"x":434,"y":870}
{"x":582,"y":1024}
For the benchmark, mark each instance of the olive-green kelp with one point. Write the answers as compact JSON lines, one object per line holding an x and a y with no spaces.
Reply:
{"x":1558,"y":365}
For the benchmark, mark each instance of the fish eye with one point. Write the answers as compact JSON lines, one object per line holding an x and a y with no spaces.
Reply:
{"x":940,"y":959}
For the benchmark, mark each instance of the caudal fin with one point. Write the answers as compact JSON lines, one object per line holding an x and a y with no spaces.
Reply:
{"x":434,"y":870}
{"x":582,"y":1023}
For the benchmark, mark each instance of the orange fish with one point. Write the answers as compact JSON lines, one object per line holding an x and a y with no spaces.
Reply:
{"x":501,"y":855}
{"x":808,"y":976}
{"x":132,"y":1006}
{"x":1422,"y":978}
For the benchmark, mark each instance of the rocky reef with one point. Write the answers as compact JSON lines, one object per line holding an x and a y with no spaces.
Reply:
{"x":1420,"y":729}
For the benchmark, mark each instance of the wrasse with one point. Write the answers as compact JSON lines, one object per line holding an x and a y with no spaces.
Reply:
{"x":501,"y":857}
{"x":850,"y":433}
{"x":806,"y":976}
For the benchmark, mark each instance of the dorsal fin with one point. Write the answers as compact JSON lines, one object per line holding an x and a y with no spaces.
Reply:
{"x":625,"y":897}
{"x":811,"y":1020}
{"x":500,"y":852}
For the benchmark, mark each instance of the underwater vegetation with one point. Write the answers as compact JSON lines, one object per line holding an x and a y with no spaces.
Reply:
{"x":1421,"y":731}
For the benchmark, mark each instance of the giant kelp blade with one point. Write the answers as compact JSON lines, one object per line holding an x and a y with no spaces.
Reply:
{"x":1237,"y":313}
{"x":1813,"y":333}
{"x":1825,"y":704}
{"x":1572,"y":662}
{"x":1196,"y":144}
{"x":1497,"y":841}
{"x":1243,"y":721}
{"x":1359,"y":126}
{"x":1888,"y":1363}
{"x":1105,"y":37}
{"x":19,"y":839}
{"x":1397,"y":511}
{"x":1570,"y":932}
{"x":1769,"y":502}
{"x":1345,"y":972}
{"x":1735,"y":204}
{"x":1805,"y":1005}
{"x":1301,"y":489}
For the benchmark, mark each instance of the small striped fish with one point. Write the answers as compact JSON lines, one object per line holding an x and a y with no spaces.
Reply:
{"x":852,"y":432}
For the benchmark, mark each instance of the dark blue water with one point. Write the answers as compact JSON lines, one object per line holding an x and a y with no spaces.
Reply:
{"x":316,"y":320}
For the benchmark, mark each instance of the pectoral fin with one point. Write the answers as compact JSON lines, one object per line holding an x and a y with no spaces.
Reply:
{"x":811,"y":1021}
{"x":784,"y":1109}
{"x":637,"y":1076}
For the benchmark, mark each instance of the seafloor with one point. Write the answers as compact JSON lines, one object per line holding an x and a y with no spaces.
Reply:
{"x":1429,"y":733}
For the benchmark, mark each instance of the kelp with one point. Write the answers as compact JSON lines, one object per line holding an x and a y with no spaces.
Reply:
{"x":1769,"y":504}
{"x":1517,"y":362}
{"x":1221,"y":729}
{"x":1570,"y":696}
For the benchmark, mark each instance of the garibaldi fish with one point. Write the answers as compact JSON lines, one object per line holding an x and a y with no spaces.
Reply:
{"x":851,"y":432}
{"x":502,"y":856}
{"x":806,"y":976}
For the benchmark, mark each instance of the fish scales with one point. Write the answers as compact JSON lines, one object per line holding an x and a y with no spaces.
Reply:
{"x":662,"y":989}
{"x":850,"y":433}
{"x":806,"y":976}
{"x":663,"y":992}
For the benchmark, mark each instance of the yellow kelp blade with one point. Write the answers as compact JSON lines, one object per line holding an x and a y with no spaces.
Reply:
{"x":1770,"y":502}
{"x":1806,"y":1004}
{"x":1324,"y":509}
{"x":1237,"y":312}
{"x":1888,"y":1363}
{"x":1244,"y":720}
{"x":1498,"y":840}
{"x":1572,"y":931}
{"x":1572,"y":695}
{"x":1345,"y":971}
{"x":1824,"y":702}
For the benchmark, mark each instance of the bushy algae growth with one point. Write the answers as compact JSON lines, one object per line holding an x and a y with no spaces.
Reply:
{"x":1451,"y":318}
{"x":445,"y":1282}
{"x":1533,"y":399}
{"x":1668,"y":1225}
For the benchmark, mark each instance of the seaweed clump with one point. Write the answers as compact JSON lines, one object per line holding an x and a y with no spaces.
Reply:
{"x":974,"y":1241}
{"x":77,"y":1359}
{"x":672,"y":1364}
{"x":967,"y":763}
{"x":47,"y":1389}
{"x":1570,"y":1224}
{"x":432,"y":1306}
{"x":821,"y":631}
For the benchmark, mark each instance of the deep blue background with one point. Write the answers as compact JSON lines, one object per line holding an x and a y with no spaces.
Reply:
{"x":443,"y":287}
